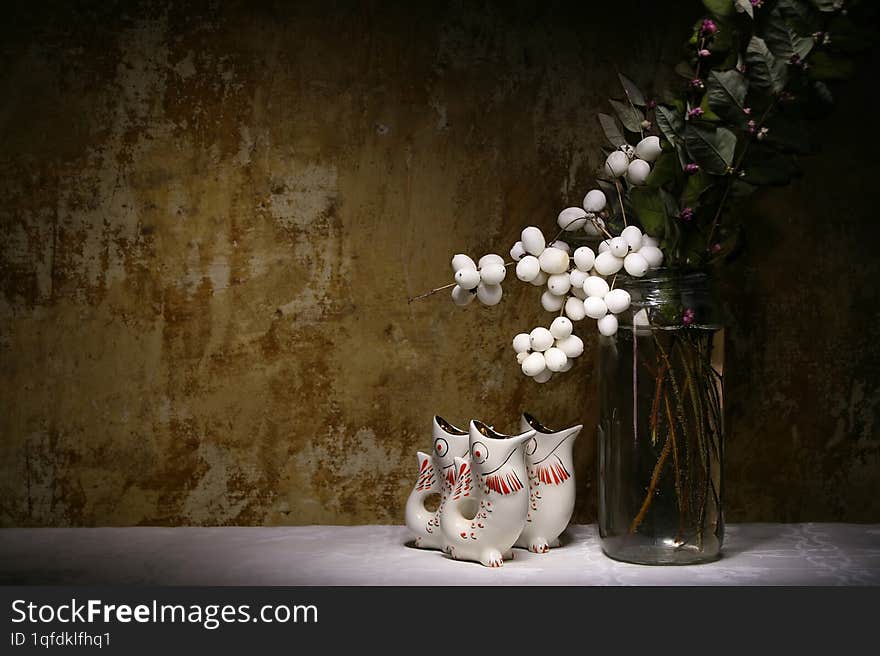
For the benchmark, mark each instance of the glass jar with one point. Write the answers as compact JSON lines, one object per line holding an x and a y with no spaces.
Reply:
{"x":661,"y":427}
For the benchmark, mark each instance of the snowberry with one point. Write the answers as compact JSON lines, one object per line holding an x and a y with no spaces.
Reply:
{"x":555,"y":359}
{"x":540,"y":280}
{"x":462,"y":261}
{"x":517,"y":252}
{"x":647,"y":240}
{"x":467,"y":278}
{"x":595,"y":286}
{"x":617,"y":300}
{"x":522,"y":343}
{"x":534,"y":364}
{"x":608,"y":325}
{"x":595,"y":307}
{"x":491,"y":258}
{"x":584,"y":257}
{"x":543,"y":377}
{"x":633,"y":236}
{"x":541,"y":339}
{"x":572,"y":218}
{"x":618,"y":247}
{"x":635,"y":265}
{"x":461,"y":296}
{"x":594,"y":226}
{"x":559,"y":283}
{"x":561,"y":245}
{"x":489,"y":294}
{"x":638,"y":171}
{"x":604,"y":245}
{"x":493,"y":273}
{"x":653,"y":256}
{"x":554,"y":260}
{"x":616,"y":163}
{"x":560,"y":328}
{"x":572,"y":346}
{"x":568,"y":365}
{"x":578,"y":278}
{"x":528,"y":268}
{"x":574,"y":309}
{"x":552,"y":302}
{"x":649,"y":149}
{"x":533,"y":240}
{"x":595,"y":201}
{"x":607,"y":263}
{"x":521,"y":357}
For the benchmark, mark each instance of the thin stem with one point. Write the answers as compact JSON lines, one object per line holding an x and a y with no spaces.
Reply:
{"x":432,"y":292}
{"x":649,"y":496}
{"x":620,"y":199}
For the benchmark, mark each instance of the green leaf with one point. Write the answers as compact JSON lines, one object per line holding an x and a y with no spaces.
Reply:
{"x":726,"y":93}
{"x":765,"y":71}
{"x":628,"y":115}
{"x":783,"y":41}
{"x":695,"y":186}
{"x":665,"y":170}
{"x":828,"y":67}
{"x":708,"y":114}
{"x":611,"y":130}
{"x":685,"y":70}
{"x":650,"y":209}
{"x":720,"y":8}
{"x":745,"y":6}
{"x":632,"y":91}
{"x":711,"y":148}
{"x":670,"y":122}
{"x":799,"y":15}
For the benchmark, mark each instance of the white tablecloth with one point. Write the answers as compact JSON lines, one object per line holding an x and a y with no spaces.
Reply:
{"x":754,"y":554}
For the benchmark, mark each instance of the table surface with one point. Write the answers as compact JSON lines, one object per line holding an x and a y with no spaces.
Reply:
{"x":754,"y":554}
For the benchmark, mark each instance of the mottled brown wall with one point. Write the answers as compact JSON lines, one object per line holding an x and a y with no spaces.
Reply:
{"x":212,"y":215}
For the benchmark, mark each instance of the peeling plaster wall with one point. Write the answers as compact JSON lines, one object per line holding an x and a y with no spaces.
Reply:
{"x":212,"y":214}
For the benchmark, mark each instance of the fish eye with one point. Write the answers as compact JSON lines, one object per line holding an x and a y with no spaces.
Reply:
{"x":531,"y":446}
{"x":441,"y":447}
{"x":479,"y":453}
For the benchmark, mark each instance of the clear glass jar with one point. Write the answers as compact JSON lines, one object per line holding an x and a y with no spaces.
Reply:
{"x":661,"y":446}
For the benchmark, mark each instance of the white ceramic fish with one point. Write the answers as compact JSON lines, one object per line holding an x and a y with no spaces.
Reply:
{"x":436,"y":476}
{"x":550,"y":468}
{"x":495,"y":478}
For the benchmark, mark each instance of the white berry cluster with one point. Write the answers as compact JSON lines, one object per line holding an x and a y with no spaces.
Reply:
{"x":481,"y":279}
{"x":546,"y":351}
{"x":634,"y":163}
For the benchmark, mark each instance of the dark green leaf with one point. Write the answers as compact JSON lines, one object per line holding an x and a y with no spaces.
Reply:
{"x":720,"y":8}
{"x":708,"y":114}
{"x":665,"y":170}
{"x":726,"y":93}
{"x":783,"y":41}
{"x":828,"y":67}
{"x":611,"y":130}
{"x":799,"y":15}
{"x":764,"y":70}
{"x":685,"y":70}
{"x":695,"y":186}
{"x":670,"y":122}
{"x":628,"y":115}
{"x":650,"y":209}
{"x":711,"y":148}
{"x":632,"y":91}
{"x":828,"y":5}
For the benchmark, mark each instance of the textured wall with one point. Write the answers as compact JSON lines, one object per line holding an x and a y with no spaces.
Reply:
{"x":212,"y":216}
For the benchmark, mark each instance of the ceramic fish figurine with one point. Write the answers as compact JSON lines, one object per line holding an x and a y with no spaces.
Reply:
{"x":495,"y":478}
{"x":436,"y":476}
{"x":550,"y":470}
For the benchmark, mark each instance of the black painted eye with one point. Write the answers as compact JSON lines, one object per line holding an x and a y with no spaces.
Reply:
{"x":479,"y":453}
{"x":531,"y":446}
{"x":441,"y":447}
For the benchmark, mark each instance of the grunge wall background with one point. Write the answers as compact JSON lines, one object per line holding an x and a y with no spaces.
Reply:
{"x":212,"y":215}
